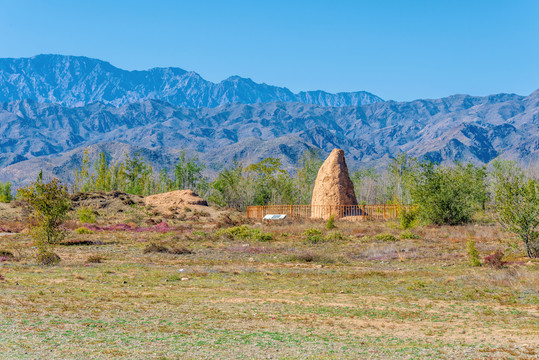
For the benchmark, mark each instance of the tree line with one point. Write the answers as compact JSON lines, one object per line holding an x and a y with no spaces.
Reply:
{"x":442,"y":194}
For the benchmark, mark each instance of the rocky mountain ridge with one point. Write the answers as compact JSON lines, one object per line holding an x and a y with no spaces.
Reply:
{"x":456,"y":128}
{"x":77,"y":81}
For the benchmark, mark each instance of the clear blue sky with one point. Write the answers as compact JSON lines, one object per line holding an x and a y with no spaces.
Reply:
{"x":399,"y":49}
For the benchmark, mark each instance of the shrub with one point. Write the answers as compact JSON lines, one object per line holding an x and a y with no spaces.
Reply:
{"x":94,"y":259}
{"x":49,"y":203}
{"x":449,"y":195}
{"x":408,"y":235}
{"x":385,"y":237}
{"x":517,"y":204}
{"x":314,"y":236}
{"x":83,"y":230}
{"x":86,"y":215}
{"x":331,"y":223}
{"x":473,"y":253}
{"x":494,"y":260}
{"x":335,"y":236}
{"x":48,"y":258}
{"x":244,"y":232}
{"x":408,"y":217}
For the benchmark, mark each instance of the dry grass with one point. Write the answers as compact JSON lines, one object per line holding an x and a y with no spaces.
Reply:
{"x":346,"y":298}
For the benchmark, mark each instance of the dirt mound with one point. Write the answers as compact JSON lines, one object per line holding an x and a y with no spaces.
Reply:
{"x":332,"y":186}
{"x":113,"y":202}
{"x":173,"y":201}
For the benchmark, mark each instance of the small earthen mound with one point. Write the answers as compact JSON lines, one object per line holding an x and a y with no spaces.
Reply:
{"x":171,"y":201}
{"x":332,"y":187}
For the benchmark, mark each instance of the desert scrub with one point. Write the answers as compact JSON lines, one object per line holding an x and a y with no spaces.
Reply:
{"x":244,"y":232}
{"x":408,"y":235}
{"x":83,"y":230}
{"x":385,"y":237}
{"x":86,"y":215}
{"x":314,"y":236}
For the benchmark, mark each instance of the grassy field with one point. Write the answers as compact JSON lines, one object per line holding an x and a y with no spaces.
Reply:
{"x":345,"y":294}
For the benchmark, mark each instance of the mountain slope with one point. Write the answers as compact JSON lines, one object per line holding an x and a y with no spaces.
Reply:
{"x":77,"y":81}
{"x":456,"y":128}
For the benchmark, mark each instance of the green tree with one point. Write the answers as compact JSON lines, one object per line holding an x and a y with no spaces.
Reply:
{"x":449,"y":195}
{"x":5,"y":192}
{"x":49,"y":203}
{"x":269,"y":182}
{"x":227,"y":189}
{"x":402,"y":170}
{"x":188,"y":174}
{"x":517,"y":203}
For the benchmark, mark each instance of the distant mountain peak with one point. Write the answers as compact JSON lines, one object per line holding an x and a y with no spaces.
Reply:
{"x":78,"y":80}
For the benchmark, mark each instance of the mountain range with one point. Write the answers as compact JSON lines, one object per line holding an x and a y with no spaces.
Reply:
{"x":77,"y":81}
{"x":48,"y":122}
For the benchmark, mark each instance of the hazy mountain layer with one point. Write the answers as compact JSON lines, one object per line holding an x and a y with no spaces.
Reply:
{"x":76,"y":81}
{"x":457,"y":128}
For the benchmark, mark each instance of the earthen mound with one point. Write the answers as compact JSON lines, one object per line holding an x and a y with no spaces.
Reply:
{"x":332,"y":187}
{"x":171,"y":201}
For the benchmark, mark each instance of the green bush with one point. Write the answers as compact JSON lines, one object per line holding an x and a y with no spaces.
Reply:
{"x":314,"y":236}
{"x":473,"y":253}
{"x":408,"y":235}
{"x":86,"y":215}
{"x":449,"y":195}
{"x":83,"y":230}
{"x":385,"y":237}
{"x":244,"y":232}
{"x":331,"y":223}
{"x":408,"y":217}
{"x":335,"y":236}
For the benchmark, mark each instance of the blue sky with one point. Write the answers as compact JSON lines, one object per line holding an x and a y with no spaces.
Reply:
{"x":399,"y":50}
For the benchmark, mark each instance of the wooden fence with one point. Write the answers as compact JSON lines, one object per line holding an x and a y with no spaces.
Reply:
{"x":345,"y":212}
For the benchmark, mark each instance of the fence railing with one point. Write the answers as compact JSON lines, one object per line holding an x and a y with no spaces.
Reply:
{"x":346,"y":212}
